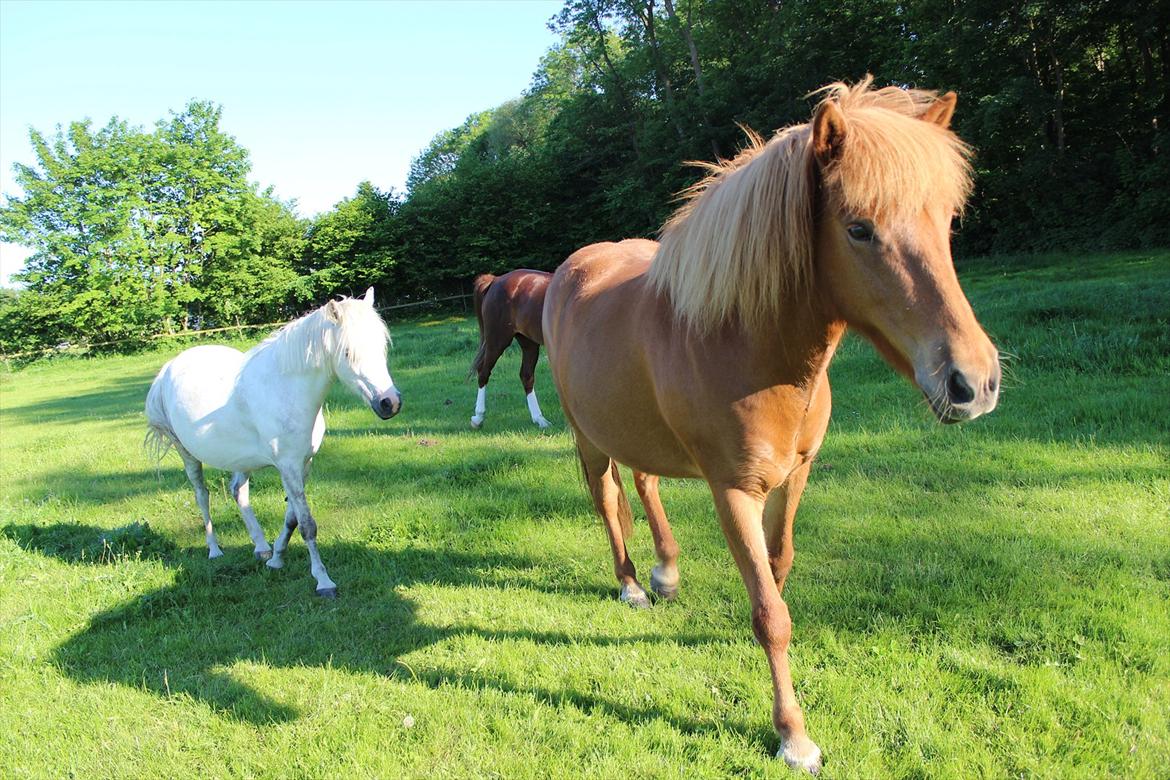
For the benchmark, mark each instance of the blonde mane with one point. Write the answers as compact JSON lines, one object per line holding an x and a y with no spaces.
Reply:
{"x":743,"y":241}
{"x":315,"y":341}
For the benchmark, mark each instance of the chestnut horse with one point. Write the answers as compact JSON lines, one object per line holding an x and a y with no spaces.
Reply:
{"x":706,"y":355}
{"x":508,"y":307}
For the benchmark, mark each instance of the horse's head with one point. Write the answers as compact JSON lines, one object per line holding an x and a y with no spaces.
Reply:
{"x":892,"y":178}
{"x":360,"y":352}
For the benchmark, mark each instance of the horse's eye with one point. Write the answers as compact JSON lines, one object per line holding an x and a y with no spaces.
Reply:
{"x":860,"y":231}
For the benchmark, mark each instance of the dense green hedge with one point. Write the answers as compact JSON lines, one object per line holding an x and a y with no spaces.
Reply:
{"x":1065,"y":102}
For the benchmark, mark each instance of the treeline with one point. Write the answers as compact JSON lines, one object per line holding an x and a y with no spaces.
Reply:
{"x":1064,"y":101}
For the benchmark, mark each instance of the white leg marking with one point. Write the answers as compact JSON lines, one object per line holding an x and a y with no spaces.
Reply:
{"x":664,"y":580}
{"x":534,"y":410}
{"x":480,"y":407}
{"x":801,"y":753}
{"x":635,"y":596}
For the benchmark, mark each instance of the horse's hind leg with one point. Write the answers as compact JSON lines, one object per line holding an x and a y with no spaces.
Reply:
{"x":531,"y":353}
{"x":485,"y":361}
{"x":605,"y":486}
{"x":194,"y":471}
{"x":294,"y":487}
{"x":779,"y":513}
{"x":280,"y":544}
{"x":240,"y":491}
{"x":664,"y":576}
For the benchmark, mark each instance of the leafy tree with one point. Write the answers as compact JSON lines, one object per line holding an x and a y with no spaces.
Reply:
{"x":352,"y":247}
{"x":139,"y":232}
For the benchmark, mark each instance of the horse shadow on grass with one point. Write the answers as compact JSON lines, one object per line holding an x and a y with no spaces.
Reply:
{"x":180,"y":639}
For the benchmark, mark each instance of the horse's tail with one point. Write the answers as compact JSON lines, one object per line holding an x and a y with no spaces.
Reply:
{"x":159,"y":435}
{"x":479,"y":290}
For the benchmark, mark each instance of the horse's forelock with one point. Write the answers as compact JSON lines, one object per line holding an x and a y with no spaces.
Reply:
{"x":316,"y":341}
{"x":893,"y":164}
{"x":742,"y":241}
{"x":359,"y":329}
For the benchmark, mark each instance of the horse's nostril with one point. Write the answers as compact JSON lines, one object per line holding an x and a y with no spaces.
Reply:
{"x":386,"y":405}
{"x":993,"y":384}
{"x":958,"y":390}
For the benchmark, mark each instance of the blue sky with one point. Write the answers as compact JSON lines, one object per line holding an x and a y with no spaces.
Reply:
{"x":323,"y":95}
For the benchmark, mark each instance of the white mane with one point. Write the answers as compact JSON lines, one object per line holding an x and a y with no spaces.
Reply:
{"x":337,"y":331}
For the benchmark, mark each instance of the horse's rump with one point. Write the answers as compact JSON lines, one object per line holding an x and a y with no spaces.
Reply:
{"x":606,"y":328}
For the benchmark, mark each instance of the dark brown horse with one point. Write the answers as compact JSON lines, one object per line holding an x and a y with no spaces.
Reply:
{"x":509,"y":307}
{"x":706,"y":355}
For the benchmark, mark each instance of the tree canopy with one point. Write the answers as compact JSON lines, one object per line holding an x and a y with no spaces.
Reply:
{"x":1066,"y":103}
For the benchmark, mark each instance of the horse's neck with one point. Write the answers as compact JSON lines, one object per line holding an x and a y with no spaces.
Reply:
{"x":311,"y":384}
{"x":797,"y":348}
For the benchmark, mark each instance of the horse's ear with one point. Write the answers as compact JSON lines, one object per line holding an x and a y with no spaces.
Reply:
{"x":941,"y":110}
{"x":828,"y":132}
{"x":333,"y":312}
{"x":369,"y":296}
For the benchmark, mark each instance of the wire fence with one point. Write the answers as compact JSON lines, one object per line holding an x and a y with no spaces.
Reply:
{"x":182,"y":334}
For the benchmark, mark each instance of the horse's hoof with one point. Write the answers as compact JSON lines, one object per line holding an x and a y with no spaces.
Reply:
{"x":635,"y":597}
{"x":327,"y":593}
{"x":542,"y":423}
{"x":663,"y":588}
{"x":263,"y":555}
{"x":216,"y":553}
{"x":801,"y":753}
{"x":275,"y":563}
{"x":476,"y":424}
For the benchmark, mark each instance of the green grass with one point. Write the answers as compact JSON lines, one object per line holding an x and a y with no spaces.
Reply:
{"x":987,"y":600}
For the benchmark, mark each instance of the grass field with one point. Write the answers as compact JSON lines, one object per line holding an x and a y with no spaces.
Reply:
{"x":989,"y":600}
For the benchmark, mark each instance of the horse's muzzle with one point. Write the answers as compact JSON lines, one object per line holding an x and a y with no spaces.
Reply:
{"x":387,"y":404}
{"x":960,"y":395}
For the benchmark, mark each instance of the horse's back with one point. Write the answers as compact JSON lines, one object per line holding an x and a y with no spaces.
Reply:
{"x":520,"y":294}
{"x":201,"y":379}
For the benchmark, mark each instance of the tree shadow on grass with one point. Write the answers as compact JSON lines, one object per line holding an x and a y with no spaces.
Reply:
{"x":178,"y":639}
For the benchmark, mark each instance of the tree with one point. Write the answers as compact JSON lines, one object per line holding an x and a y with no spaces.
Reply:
{"x":140,"y":232}
{"x":352,"y":247}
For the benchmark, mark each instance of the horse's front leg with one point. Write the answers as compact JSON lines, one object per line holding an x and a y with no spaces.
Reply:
{"x":741,"y":515}
{"x":664,"y":576}
{"x":293,"y":478}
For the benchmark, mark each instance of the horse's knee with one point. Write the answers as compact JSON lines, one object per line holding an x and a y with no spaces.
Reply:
{"x":309,"y":529}
{"x":772,"y":626}
{"x":646,"y":484}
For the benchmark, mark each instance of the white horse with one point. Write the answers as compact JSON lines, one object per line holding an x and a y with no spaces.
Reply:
{"x":241,"y":412}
